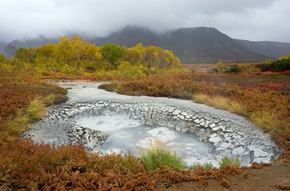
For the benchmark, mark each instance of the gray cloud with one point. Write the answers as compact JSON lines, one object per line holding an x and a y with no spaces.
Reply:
{"x":247,"y":19}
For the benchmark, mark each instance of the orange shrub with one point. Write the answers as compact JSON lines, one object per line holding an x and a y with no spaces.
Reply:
{"x":262,"y":104}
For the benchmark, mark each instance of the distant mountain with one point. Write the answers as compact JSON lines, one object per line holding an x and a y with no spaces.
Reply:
{"x":2,"y":47}
{"x":16,"y":44}
{"x":191,"y":45}
{"x":130,"y":36}
{"x":204,"y":44}
{"x":38,"y":42}
{"x":199,"y":44}
{"x":271,"y":49}
{"x":33,"y":42}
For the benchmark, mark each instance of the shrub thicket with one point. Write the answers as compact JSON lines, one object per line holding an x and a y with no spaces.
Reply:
{"x":233,"y":69}
{"x":278,"y":66}
{"x":75,"y":56}
{"x":264,"y":106}
{"x":282,"y":65}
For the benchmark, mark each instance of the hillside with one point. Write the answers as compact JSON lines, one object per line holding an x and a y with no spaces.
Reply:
{"x":199,"y":44}
{"x":271,"y":49}
{"x":130,"y":36}
{"x":16,"y":44}
{"x":33,"y":42}
{"x":2,"y":47}
{"x":191,"y":45}
{"x":205,"y":45}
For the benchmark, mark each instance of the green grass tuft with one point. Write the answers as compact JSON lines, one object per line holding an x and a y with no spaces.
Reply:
{"x":158,"y":154}
{"x":206,"y":166}
{"x":226,"y":161}
{"x":49,"y":100}
{"x":36,"y":109}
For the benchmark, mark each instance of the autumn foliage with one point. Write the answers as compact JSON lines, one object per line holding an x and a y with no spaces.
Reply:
{"x":263,"y":104}
{"x":73,"y":56}
{"x":45,"y":167}
{"x":25,"y":165}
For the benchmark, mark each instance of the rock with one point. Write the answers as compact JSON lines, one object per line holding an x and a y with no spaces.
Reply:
{"x":268,"y":159}
{"x":202,"y":130}
{"x":228,"y":131}
{"x":238,"y":151}
{"x":88,"y":137}
{"x":245,"y":159}
{"x":260,"y":153}
{"x":220,"y":150}
{"x":225,"y":145}
{"x":183,"y":113}
{"x":258,"y":160}
{"x":197,"y":121}
{"x":215,"y":129}
{"x":235,"y":136}
{"x":214,"y":139}
{"x":176,"y":112}
{"x":181,"y":117}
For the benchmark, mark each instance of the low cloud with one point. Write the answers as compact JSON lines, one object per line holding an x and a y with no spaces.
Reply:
{"x":252,"y":20}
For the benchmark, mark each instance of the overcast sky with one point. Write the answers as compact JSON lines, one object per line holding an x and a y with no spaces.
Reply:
{"x":244,"y":19}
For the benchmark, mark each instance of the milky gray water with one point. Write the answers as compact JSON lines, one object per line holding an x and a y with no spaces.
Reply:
{"x":128,"y":135}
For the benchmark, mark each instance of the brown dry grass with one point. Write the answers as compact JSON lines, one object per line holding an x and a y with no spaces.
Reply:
{"x":26,"y":166}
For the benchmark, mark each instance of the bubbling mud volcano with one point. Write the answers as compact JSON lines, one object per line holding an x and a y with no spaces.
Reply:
{"x":104,"y":121}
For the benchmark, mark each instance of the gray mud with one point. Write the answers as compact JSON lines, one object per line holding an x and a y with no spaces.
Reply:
{"x":102,"y":121}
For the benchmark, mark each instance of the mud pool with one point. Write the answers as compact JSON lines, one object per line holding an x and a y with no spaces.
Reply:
{"x":105,"y":121}
{"x":126,"y":134}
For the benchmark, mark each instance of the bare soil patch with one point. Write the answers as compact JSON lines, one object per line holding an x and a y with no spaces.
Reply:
{"x":275,"y":177}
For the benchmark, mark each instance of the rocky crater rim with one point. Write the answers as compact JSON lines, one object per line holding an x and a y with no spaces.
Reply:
{"x":225,"y":136}
{"x":226,"y":133}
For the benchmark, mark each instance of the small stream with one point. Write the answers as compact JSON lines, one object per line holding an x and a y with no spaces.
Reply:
{"x":106,"y":121}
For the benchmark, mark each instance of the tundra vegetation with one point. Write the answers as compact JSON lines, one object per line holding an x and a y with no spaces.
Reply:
{"x":260,"y":92}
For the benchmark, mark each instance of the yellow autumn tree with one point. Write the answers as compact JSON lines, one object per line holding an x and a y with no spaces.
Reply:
{"x":159,"y":58}
{"x":284,"y":57}
{"x":90,"y":51}
{"x":151,"y":58}
{"x":2,"y":57}
{"x":78,"y":47}
{"x":221,"y":66}
{"x":63,"y":51}
{"x":46,"y":50}
{"x":135,"y":54}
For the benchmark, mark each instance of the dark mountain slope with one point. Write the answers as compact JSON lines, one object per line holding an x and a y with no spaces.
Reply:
{"x":191,"y":45}
{"x":207,"y":44}
{"x":33,"y":42}
{"x":130,"y":36}
{"x":16,"y":44}
{"x":2,"y":47}
{"x":271,"y":49}
{"x":199,"y":44}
